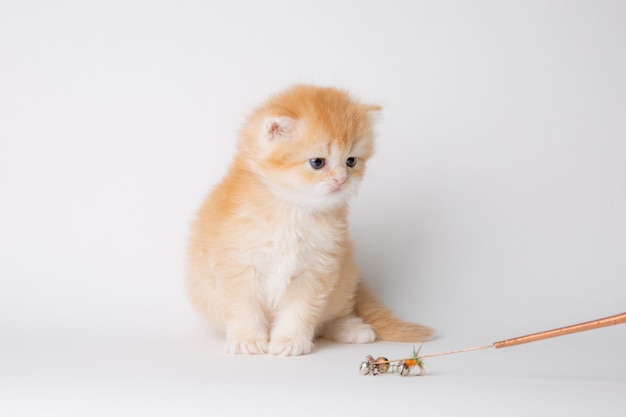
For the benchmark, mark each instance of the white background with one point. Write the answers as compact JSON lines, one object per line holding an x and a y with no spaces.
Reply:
{"x":493,"y":208}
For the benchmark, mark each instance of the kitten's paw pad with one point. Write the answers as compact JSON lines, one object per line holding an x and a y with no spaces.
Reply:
{"x":246,"y":347}
{"x":290,"y":347}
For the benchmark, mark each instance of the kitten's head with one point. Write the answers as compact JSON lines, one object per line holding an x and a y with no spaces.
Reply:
{"x":310,"y":145}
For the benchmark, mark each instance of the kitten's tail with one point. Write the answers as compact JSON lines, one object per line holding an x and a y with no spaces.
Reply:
{"x":386,"y":325}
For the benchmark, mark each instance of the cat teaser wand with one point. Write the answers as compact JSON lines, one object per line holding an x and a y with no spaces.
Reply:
{"x":406,"y":366}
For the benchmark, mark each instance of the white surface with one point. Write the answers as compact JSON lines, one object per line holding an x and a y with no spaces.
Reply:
{"x":493,"y":208}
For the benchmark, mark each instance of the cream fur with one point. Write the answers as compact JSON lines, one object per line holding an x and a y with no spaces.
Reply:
{"x":270,"y":262}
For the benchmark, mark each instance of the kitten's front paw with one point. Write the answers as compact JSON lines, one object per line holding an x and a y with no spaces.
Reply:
{"x":290,"y":347}
{"x":246,"y":347}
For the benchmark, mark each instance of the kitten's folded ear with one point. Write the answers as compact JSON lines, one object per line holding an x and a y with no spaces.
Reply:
{"x":372,"y":112}
{"x":279,"y":128}
{"x":373,"y":109}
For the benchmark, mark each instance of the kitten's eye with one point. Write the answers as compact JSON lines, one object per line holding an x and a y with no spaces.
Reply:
{"x":317,"y":163}
{"x":351,"y":162}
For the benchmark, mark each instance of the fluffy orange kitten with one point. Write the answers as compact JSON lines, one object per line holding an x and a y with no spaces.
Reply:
{"x":270,"y":262}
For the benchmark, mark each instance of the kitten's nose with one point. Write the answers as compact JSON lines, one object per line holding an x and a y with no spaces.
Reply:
{"x":340,"y":180}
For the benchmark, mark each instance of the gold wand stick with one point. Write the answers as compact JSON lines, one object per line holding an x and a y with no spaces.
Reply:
{"x":575,"y":328}
{"x":561,"y":331}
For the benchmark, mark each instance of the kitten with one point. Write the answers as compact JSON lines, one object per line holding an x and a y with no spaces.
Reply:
{"x":270,"y":262}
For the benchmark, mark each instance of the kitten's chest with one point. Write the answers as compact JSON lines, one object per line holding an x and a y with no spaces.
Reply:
{"x":298,"y":245}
